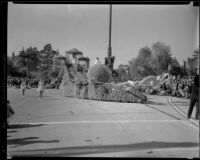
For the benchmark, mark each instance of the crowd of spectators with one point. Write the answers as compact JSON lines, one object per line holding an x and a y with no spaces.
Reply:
{"x":15,"y":82}
{"x":174,"y":86}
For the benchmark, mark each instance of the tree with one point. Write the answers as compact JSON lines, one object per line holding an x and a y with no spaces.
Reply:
{"x":122,"y":76}
{"x":143,"y":64}
{"x":33,"y":58}
{"x":193,"y":63}
{"x":54,"y":73}
{"x":46,"y":56}
{"x":144,"y":53}
{"x":12,"y":69}
{"x":13,"y":56}
{"x":29,"y":59}
{"x":176,"y":68}
{"x":24,"y":60}
{"x":162,"y":54}
{"x":134,"y":69}
{"x":149,"y":61}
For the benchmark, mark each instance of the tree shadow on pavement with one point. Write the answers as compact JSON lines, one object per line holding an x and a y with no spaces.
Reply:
{"x":18,"y":126}
{"x":81,"y":150}
{"x":26,"y":141}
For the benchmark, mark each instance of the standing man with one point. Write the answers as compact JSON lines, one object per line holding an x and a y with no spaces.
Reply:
{"x":23,"y":87}
{"x":194,"y":98}
{"x":41,"y":88}
{"x":97,"y":61}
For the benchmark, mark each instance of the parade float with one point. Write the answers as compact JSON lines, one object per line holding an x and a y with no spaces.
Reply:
{"x":95,"y":82}
{"x":81,"y":81}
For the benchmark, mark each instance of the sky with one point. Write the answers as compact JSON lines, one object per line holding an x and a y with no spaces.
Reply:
{"x":86,"y":28}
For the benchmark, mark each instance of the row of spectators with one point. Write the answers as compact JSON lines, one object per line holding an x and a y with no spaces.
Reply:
{"x":16,"y":82}
{"x":174,"y":86}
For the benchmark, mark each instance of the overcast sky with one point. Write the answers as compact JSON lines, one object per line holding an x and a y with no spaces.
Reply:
{"x":85,"y":27}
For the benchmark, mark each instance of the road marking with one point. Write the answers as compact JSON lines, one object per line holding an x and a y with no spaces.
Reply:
{"x":181,"y":112}
{"x":120,"y":121}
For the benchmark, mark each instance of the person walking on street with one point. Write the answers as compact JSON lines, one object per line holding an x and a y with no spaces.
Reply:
{"x":194,"y":98}
{"x":41,"y":89}
{"x":23,"y":87}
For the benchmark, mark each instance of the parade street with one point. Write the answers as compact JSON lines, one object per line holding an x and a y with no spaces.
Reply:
{"x":64,"y":126}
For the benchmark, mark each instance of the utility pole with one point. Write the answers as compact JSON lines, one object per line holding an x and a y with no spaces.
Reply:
{"x":109,"y":38}
{"x":109,"y":60}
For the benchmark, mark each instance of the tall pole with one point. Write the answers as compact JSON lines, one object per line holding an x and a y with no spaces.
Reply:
{"x":109,"y":60}
{"x":110,"y":26}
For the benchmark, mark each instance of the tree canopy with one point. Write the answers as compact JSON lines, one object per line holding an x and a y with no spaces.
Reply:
{"x":153,"y":61}
{"x":30,"y":60}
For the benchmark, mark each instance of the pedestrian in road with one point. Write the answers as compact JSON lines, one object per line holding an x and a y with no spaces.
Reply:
{"x":10,"y":112}
{"x":23,"y":87}
{"x":194,"y":98}
{"x":41,"y":88}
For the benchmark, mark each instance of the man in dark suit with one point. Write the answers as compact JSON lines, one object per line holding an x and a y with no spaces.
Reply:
{"x":194,"y":98}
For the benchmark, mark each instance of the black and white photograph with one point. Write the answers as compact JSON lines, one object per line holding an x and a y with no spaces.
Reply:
{"x":102,"y":80}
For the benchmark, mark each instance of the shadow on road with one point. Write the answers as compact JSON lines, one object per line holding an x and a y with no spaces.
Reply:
{"x":80,"y":150}
{"x":18,"y":126}
{"x":27,"y":141}
{"x":11,"y":131}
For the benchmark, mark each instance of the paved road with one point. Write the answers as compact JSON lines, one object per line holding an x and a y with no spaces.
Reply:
{"x":63,"y":126}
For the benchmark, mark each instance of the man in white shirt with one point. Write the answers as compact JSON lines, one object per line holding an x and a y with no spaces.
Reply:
{"x":97,"y":61}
